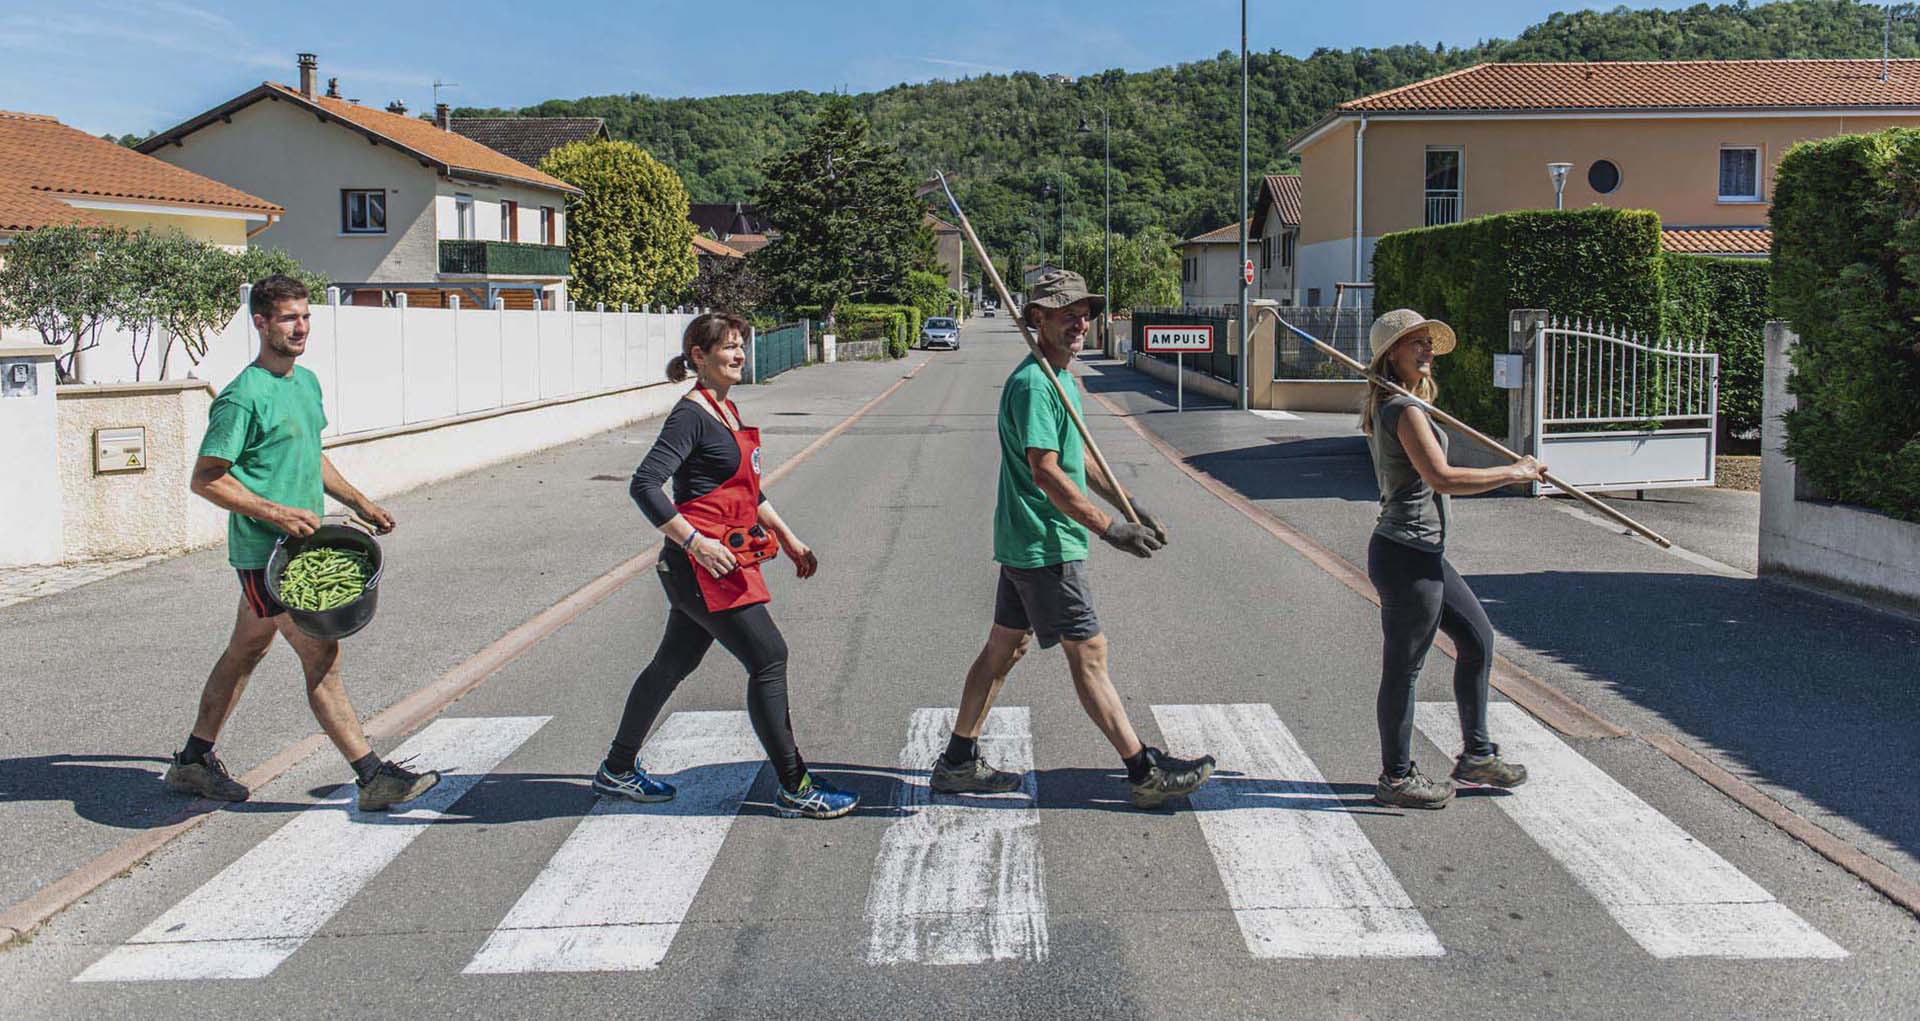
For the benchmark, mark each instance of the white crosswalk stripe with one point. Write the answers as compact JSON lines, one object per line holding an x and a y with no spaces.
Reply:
{"x":958,"y":879}
{"x":1302,"y":879}
{"x":256,"y":912}
{"x":1674,"y":895}
{"x":591,"y":908}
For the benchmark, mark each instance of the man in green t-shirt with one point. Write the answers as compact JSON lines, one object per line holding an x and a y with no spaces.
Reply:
{"x":261,"y":461}
{"x":1040,"y":527}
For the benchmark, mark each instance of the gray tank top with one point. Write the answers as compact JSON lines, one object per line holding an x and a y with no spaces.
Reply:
{"x":1411,"y":513}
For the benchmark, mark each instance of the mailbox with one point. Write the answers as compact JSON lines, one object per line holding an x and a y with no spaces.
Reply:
{"x":19,"y":377}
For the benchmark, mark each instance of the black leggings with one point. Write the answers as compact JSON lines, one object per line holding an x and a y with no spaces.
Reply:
{"x":749,"y":633}
{"x":1419,"y":593}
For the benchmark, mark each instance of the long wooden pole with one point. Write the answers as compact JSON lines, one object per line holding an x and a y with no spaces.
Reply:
{"x":1498,"y":447}
{"x":1033,"y":345}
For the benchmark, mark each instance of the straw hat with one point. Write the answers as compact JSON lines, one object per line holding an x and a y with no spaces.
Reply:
{"x":1389,"y":328}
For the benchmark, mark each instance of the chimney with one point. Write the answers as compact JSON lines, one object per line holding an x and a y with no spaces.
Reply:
{"x":443,"y":116}
{"x":397,"y":107}
{"x":333,"y":88}
{"x":309,"y":69}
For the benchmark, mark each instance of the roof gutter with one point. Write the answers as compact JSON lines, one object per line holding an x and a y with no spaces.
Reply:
{"x":271,"y":220}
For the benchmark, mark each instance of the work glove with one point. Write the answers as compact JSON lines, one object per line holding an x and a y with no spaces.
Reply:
{"x":1153,"y":524}
{"x":1138,"y":540}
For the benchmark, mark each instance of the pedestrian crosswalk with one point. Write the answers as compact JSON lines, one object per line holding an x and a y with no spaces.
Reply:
{"x":962,"y":880}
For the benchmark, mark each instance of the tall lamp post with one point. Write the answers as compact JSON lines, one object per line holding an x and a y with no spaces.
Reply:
{"x":1558,"y":171}
{"x":1243,"y":359}
{"x":1106,"y":218}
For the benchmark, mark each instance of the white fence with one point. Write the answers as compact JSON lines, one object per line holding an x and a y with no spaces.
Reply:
{"x":380,"y":368}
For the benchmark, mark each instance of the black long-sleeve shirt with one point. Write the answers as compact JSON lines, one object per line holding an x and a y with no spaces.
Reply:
{"x":695,"y":451}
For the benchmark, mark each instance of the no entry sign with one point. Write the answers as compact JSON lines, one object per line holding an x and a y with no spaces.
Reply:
{"x":1177,"y":339}
{"x":1246,"y":271}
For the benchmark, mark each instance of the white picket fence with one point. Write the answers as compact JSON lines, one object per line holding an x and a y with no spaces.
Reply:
{"x":381,"y":368}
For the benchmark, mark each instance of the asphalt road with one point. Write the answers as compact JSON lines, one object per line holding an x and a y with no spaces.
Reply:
{"x":1521,"y":907}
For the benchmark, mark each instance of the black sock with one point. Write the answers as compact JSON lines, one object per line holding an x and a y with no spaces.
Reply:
{"x":365,"y":766}
{"x":620,"y":758}
{"x":1139,"y":762}
{"x":196,"y":750}
{"x":961,"y":749}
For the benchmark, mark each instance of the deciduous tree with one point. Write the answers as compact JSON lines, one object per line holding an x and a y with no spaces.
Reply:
{"x":628,"y":233}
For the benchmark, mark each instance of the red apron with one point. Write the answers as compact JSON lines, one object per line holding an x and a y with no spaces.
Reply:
{"x":735,"y":504}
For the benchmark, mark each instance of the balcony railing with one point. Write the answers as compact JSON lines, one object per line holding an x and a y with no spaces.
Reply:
{"x":1443,"y":207}
{"x":503,"y":259}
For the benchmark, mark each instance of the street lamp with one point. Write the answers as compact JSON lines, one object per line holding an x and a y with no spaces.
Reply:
{"x":1243,"y":360}
{"x":1558,"y":171}
{"x":1106,"y":217}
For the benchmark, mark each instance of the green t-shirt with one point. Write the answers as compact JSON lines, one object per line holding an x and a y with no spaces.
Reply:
{"x":268,"y":427}
{"x":1028,"y":531}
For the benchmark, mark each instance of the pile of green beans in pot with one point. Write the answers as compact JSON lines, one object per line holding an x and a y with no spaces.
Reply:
{"x":324,"y":578}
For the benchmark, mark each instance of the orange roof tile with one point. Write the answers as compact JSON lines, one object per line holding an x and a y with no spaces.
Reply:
{"x":1283,"y":191}
{"x":1655,"y":85}
{"x":702,"y":243}
{"x":746,"y":244}
{"x":1717,"y":240}
{"x":1219,"y":235}
{"x":454,"y":152}
{"x":42,"y":159}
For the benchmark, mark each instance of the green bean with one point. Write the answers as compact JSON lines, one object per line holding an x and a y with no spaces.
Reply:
{"x":324,"y":578}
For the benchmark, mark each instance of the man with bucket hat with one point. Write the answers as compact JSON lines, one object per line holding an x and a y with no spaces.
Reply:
{"x":1041,"y":524}
{"x":261,"y":462}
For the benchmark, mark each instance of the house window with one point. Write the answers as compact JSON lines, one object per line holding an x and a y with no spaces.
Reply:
{"x":1443,"y":186}
{"x":1603,"y":176}
{"x":463,"y":217}
{"x":1286,"y":250}
{"x":1313,"y":297}
{"x":547,"y":226}
{"x":509,"y":220}
{"x":1739,"y":173}
{"x":363,"y":211}
{"x":1266,"y":253}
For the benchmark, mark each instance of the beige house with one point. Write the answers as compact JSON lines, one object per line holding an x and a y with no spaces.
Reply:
{"x":381,"y":202}
{"x":1695,"y":141}
{"x":1210,"y":267}
{"x":53,"y":174}
{"x":1210,"y":262}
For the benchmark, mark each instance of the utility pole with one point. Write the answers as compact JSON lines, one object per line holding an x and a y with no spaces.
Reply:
{"x":1244,"y":359}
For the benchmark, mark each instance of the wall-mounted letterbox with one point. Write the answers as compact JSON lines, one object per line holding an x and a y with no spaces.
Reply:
{"x":19,"y":377}
{"x":120,"y":450}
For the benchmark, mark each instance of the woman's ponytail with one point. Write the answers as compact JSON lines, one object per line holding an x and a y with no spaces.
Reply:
{"x":677,"y":369}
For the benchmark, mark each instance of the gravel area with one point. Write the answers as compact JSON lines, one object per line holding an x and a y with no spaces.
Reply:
{"x":1737,"y":471}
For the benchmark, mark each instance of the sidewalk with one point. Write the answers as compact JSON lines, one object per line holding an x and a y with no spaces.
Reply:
{"x":1809,"y":699}
{"x":102,"y":680}
{"x":20,"y":584}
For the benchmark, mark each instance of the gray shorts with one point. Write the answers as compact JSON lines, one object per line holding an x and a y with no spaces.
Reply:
{"x":1054,"y":602}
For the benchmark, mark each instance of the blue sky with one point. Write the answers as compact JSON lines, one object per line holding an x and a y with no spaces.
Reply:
{"x":140,"y":65}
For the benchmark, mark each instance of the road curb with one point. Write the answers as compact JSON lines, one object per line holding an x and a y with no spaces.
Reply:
{"x":1552,"y":706}
{"x":22,"y":917}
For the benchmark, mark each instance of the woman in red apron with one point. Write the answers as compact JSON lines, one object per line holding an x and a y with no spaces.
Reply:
{"x":718,"y":528}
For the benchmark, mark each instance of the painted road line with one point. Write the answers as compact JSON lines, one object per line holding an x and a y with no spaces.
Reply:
{"x":1674,"y":895}
{"x":614,"y":895}
{"x":958,"y":878}
{"x":256,"y":912}
{"x":1302,"y":879}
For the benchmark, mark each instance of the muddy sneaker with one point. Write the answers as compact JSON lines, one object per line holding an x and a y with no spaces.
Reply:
{"x":1488,"y":771}
{"x":973,"y":776}
{"x":1169,"y":777}
{"x":815,"y":800}
{"x":207,"y":778}
{"x":1412,"y":791}
{"x":394,"y":784}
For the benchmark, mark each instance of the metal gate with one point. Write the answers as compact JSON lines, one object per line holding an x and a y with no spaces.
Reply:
{"x":1615,"y":411}
{"x":779,"y":349}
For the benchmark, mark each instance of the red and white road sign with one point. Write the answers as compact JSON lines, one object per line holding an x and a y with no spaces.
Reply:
{"x":1246,"y":271}
{"x":1177,"y":339}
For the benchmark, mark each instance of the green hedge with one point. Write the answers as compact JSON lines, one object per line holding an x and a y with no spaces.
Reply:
{"x":1727,"y":302}
{"x":1846,"y":275}
{"x":897,"y":324}
{"x":1602,"y":263}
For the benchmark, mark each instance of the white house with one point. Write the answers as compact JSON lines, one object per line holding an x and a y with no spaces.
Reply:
{"x":1210,"y":262}
{"x":381,"y":202}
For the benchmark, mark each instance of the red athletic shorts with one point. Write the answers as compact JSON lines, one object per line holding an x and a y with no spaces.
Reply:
{"x":253,"y":586}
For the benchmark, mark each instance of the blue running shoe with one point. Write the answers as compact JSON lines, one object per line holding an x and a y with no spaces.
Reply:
{"x":634,"y":786}
{"x":815,"y":800}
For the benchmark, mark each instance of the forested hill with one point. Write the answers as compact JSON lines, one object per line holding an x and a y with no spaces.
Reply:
{"x":1175,"y":130}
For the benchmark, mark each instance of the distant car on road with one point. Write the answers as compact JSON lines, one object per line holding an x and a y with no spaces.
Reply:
{"x":940,"y":332}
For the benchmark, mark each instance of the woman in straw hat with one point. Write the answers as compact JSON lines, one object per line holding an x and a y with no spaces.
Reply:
{"x":1419,"y":591}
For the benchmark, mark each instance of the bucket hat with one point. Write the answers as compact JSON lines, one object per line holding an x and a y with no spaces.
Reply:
{"x":1390,"y":327}
{"x":1059,"y":288}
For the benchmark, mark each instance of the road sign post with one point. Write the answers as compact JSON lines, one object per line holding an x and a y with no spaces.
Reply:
{"x":1178,"y":341}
